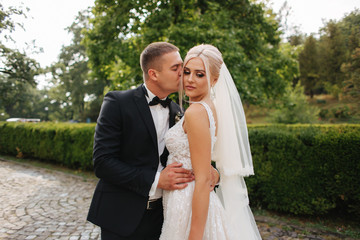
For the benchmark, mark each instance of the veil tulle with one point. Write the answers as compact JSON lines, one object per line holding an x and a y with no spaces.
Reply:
{"x":232,"y":147}
{"x":233,"y":157}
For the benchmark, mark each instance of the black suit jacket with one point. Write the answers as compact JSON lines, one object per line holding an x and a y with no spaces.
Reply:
{"x":125,"y":160}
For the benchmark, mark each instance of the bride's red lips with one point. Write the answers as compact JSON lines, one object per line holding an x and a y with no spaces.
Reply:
{"x":189,"y":87}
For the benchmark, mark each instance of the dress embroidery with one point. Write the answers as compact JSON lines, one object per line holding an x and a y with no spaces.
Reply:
{"x":178,"y":203}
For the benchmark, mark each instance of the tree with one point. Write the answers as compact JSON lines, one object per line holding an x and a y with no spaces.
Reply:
{"x":337,"y":46}
{"x":351,"y":69}
{"x":18,"y":66}
{"x":350,"y":28}
{"x":294,"y":108}
{"x":6,"y":22}
{"x":17,"y":83}
{"x":296,"y":39}
{"x":248,"y":40}
{"x":17,"y":72}
{"x":332,"y":50}
{"x":309,"y":66}
{"x":70,"y":73}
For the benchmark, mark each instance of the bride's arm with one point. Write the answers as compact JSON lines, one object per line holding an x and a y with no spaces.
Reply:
{"x":197,"y":128}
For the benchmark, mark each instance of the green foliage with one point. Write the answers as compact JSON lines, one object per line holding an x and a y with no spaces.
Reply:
{"x":17,"y":72}
{"x":333,"y":54}
{"x":309,"y":65}
{"x":300,"y":169}
{"x":18,"y":66}
{"x":294,"y":108}
{"x":350,"y":28}
{"x":306,"y":169}
{"x":351,"y":86}
{"x":296,"y":39}
{"x":71,"y":80}
{"x":332,"y":89}
{"x":341,"y":112}
{"x":17,"y":82}
{"x":14,"y":64}
{"x":337,"y":112}
{"x":3,"y":115}
{"x":248,"y":40}
{"x":66,"y":144}
{"x":292,"y":70}
{"x":6,"y":21}
{"x":330,"y":62}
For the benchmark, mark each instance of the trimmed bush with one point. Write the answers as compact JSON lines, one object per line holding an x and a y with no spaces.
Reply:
{"x":66,"y":144}
{"x":299,"y":169}
{"x":306,"y":169}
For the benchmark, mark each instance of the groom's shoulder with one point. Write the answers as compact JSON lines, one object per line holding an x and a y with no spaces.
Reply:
{"x":120,"y":95}
{"x":175,"y":106}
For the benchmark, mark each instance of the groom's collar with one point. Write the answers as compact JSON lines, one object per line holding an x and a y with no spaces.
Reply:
{"x":149,"y":95}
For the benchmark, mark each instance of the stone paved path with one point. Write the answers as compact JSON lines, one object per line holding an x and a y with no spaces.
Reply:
{"x":36,"y":203}
{"x":40,"y":204}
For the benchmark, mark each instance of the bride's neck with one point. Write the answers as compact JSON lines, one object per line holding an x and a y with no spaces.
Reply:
{"x":203,"y":99}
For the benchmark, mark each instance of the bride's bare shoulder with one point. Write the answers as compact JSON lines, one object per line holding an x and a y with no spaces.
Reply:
{"x":195,"y":110}
{"x":196,"y":116}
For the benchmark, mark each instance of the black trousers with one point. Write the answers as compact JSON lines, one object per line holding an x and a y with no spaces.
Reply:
{"x":148,"y":229}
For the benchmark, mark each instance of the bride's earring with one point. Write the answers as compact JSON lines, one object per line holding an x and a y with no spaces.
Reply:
{"x":212,"y":93}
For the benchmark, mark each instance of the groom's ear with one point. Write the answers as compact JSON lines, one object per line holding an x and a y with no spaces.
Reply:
{"x":152,"y":73}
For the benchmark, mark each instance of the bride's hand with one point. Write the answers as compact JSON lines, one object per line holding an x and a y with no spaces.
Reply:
{"x":175,"y":177}
{"x":215,"y":178}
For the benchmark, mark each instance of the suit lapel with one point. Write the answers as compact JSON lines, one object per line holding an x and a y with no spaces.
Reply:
{"x":145,"y":113}
{"x":174,"y":110}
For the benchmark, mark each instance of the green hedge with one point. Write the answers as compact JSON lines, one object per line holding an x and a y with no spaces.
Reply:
{"x":66,"y":144}
{"x":300,"y":169}
{"x":306,"y":169}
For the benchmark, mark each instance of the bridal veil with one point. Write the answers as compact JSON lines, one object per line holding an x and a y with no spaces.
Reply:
{"x":233,"y":157}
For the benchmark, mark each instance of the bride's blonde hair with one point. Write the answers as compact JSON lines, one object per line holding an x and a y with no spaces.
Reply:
{"x":212,"y":59}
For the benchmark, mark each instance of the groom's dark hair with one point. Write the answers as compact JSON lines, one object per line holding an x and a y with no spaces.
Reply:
{"x":150,"y":56}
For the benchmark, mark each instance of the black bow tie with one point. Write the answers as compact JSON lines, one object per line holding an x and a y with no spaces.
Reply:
{"x":157,"y":100}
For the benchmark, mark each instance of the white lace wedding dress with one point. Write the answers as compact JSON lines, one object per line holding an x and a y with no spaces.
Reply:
{"x":177,"y":204}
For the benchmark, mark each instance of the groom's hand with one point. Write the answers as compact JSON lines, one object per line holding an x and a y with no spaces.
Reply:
{"x":175,"y":177}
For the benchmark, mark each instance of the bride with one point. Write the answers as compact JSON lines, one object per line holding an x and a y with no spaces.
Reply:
{"x":213,"y":128}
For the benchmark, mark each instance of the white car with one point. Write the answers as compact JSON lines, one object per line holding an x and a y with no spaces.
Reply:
{"x":23,"y":120}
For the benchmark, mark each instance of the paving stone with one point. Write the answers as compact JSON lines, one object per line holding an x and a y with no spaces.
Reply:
{"x":37,"y":203}
{"x":40,"y":204}
{"x":30,"y":237}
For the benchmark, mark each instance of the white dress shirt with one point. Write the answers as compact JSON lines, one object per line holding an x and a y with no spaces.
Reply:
{"x":160,"y":117}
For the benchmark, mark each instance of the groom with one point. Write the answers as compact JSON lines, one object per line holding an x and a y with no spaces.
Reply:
{"x":129,"y":150}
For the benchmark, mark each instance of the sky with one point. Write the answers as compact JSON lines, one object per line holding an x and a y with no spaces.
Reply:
{"x":48,"y":19}
{"x":309,"y":14}
{"x":46,"y":23}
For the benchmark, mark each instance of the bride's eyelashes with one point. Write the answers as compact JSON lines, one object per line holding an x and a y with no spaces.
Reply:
{"x":199,"y":74}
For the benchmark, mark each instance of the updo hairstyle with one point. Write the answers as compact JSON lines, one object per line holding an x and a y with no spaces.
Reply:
{"x":212,"y":59}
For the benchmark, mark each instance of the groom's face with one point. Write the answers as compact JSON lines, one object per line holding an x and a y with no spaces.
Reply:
{"x":169,"y":76}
